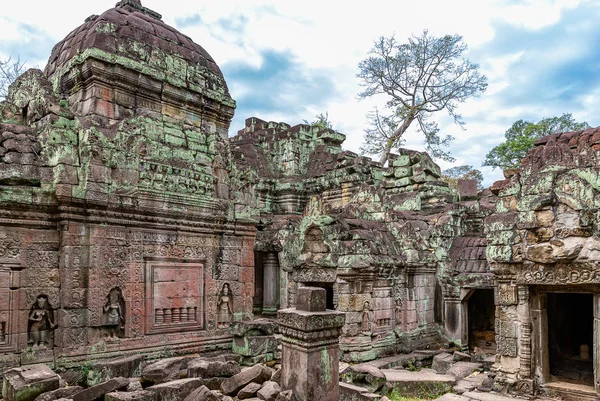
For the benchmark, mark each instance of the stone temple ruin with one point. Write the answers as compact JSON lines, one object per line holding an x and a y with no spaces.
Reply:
{"x":133,"y":224}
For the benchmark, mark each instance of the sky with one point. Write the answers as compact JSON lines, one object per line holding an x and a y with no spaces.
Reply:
{"x":291,"y":60}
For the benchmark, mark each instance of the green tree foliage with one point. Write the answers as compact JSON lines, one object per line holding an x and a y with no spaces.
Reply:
{"x":521,"y":136}
{"x":421,"y":77}
{"x":321,"y":120}
{"x":464,"y":172}
{"x":9,"y":71}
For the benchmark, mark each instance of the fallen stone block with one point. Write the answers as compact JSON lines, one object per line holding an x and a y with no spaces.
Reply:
{"x":98,"y":391}
{"x":254,"y":345}
{"x":102,"y":371}
{"x":460,"y":370}
{"x":461,"y":357}
{"x":206,"y":368}
{"x":27,"y":382}
{"x":487,"y":396}
{"x":257,"y":327}
{"x":452,"y":397}
{"x":176,"y":390}
{"x":54,"y":395}
{"x":277,"y":376}
{"x":138,"y":395}
{"x":164,"y":370}
{"x":287,"y":395}
{"x":249,"y":391}
{"x":488,"y":362}
{"x":269,"y":391}
{"x":469,"y":383}
{"x":256,"y":374}
{"x":364,"y":375}
{"x":442,"y":362}
{"x":202,"y":394}
{"x":426,"y":383}
{"x":214,"y":383}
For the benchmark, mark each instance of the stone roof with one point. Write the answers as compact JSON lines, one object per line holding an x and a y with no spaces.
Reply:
{"x":467,"y":255}
{"x":590,"y":136}
{"x":134,"y":32}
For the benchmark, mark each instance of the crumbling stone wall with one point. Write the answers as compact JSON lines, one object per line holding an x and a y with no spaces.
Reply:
{"x":377,"y":238}
{"x":543,"y":238}
{"x":117,"y":228}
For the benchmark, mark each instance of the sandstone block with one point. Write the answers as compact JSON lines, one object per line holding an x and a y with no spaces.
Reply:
{"x":176,"y":390}
{"x":269,"y":391}
{"x":164,"y":370}
{"x":98,"y":391}
{"x":311,"y":299}
{"x":256,"y":374}
{"x":101,"y":371}
{"x":65,"y":392}
{"x":442,"y":362}
{"x":249,"y":391}
{"x":210,"y":368}
{"x":287,"y":395}
{"x":138,"y":395}
{"x":254,"y":345}
{"x":27,"y":382}
{"x":366,"y":376}
{"x":202,"y":394}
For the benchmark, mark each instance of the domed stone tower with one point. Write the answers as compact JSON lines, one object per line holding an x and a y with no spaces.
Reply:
{"x":118,"y":221}
{"x":128,"y":59}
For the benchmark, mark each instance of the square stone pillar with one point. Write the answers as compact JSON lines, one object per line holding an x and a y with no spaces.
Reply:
{"x":310,"y":363}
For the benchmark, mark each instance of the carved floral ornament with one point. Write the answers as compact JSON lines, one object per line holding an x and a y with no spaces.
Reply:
{"x":572,"y":274}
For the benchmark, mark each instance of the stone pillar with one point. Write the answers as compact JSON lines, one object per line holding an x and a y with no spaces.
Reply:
{"x":270,"y":284}
{"x":310,"y":363}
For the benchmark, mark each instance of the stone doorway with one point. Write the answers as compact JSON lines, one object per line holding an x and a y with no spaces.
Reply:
{"x":266,"y":284}
{"x":571,"y":337}
{"x":481,"y":321}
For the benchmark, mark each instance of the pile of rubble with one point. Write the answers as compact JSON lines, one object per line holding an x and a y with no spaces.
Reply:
{"x":186,"y":378}
{"x":422,"y":374}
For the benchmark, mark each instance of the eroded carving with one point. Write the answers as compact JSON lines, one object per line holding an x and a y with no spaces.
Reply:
{"x":114,"y":313}
{"x":225,"y":307}
{"x":41,"y":323}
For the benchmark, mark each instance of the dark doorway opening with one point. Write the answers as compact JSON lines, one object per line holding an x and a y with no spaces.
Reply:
{"x":257,"y":300}
{"x":571,"y":337}
{"x":328,"y":288}
{"x":482,"y":317}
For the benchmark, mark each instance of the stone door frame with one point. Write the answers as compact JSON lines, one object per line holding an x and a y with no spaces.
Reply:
{"x":539,"y":321}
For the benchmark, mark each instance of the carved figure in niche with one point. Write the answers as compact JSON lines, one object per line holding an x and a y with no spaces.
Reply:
{"x":40,"y":322}
{"x":114,"y":313}
{"x":398,"y":312}
{"x":367,"y":319}
{"x":225,"y":307}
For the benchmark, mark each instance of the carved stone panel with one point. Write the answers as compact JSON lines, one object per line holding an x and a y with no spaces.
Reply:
{"x":506,"y":294}
{"x":174,"y":297}
{"x":9,"y":305}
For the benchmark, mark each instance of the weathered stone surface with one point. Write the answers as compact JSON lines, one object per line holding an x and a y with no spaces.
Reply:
{"x":461,"y":370}
{"x":442,"y":362}
{"x":28,"y":382}
{"x":287,"y":395}
{"x":461,"y":357}
{"x":249,"y":391}
{"x":469,"y":383}
{"x":366,"y":376}
{"x":99,"y":390}
{"x":176,"y":390}
{"x":210,"y":368}
{"x":254,"y":345}
{"x":256,"y":374}
{"x":202,"y":394}
{"x":137,"y":395}
{"x":269,"y":391}
{"x":414,"y":383}
{"x":311,"y":299}
{"x":257,"y":327}
{"x":100,"y":371}
{"x":164,"y":370}
{"x":65,"y":392}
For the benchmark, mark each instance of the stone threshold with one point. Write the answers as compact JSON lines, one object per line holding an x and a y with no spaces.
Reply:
{"x":571,"y":391}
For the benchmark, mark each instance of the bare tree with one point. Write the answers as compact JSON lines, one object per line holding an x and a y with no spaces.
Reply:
{"x":9,"y":71}
{"x":421,"y":77}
